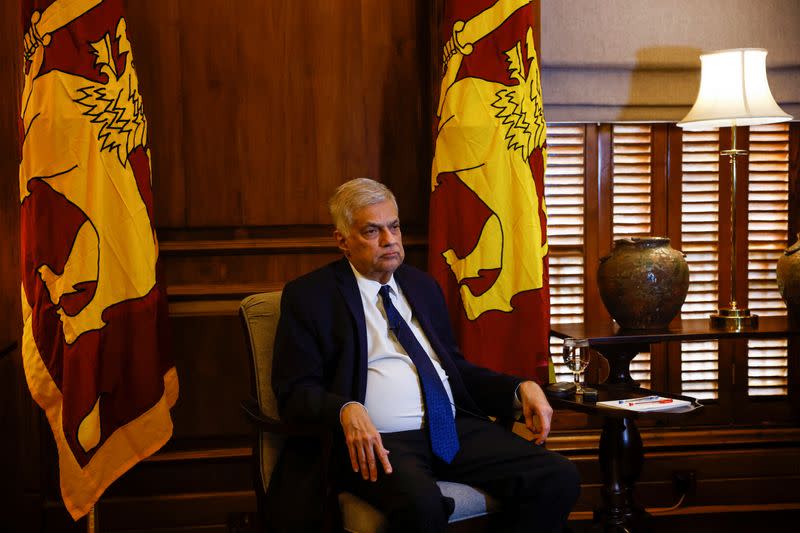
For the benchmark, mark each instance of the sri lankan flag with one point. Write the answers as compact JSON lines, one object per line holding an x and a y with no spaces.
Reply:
{"x":94,"y":339}
{"x":488,"y":228}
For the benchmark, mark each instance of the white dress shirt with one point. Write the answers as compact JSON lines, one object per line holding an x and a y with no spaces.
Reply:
{"x":394,"y":395}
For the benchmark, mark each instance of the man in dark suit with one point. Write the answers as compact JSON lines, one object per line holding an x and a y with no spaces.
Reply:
{"x":364,"y":346}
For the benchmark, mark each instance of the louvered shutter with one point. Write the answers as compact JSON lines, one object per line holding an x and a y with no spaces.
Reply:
{"x":768,"y":229}
{"x":700,"y":242}
{"x":631,"y":201}
{"x":564,"y":190}
{"x":632,"y":177}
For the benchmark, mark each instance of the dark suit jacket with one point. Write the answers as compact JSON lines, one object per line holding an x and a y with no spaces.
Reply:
{"x":320,"y":363}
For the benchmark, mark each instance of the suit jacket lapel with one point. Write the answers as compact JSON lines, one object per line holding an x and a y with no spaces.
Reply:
{"x":416,"y":299}
{"x":348,"y":288}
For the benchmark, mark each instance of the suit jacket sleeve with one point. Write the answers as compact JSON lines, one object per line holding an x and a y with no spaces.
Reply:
{"x":299,"y":361}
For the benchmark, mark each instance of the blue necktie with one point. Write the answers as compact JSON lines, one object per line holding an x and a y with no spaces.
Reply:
{"x":441,"y":424}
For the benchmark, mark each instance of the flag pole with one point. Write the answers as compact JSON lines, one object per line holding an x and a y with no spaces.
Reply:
{"x":91,"y":521}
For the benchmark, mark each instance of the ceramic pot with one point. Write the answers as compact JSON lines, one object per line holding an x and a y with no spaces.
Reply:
{"x":788,"y":274}
{"x":643,"y":282}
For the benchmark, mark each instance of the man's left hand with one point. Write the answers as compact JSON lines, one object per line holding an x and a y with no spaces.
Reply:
{"x":536,"y":409}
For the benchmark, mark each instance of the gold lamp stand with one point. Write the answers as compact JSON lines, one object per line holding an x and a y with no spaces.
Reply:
{"x":733,"y":92}
{"x":733,"y":317}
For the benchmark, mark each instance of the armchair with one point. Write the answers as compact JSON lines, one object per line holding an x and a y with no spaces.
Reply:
{"x":259,"y":314}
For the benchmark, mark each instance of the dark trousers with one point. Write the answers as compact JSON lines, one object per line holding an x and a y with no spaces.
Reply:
{"x":537,"y":487}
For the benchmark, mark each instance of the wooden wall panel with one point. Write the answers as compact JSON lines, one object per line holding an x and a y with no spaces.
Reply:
{"x":258,"y":110}
{"x":211,"y":360}
{"x":723,"y":478}
{"x":10,"y":89}
{"x":18,"y":460}
{"x":212,"y":74}
{"x":210,"y":267}
{"x":267,"y":267}
{"x":154,"y":32}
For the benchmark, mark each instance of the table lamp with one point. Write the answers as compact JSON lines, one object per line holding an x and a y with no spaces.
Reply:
{"x":733,"y":92}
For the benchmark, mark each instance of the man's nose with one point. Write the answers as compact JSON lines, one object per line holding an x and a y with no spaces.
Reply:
{"x":387,"y":237}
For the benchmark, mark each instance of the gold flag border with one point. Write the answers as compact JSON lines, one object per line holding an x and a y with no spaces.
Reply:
{"x":129,"y":444}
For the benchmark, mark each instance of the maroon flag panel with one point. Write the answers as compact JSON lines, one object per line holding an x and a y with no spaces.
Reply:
{"x":488,"y":223}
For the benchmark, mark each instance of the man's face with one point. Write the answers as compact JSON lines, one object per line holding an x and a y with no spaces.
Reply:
{"x":375,"y":245}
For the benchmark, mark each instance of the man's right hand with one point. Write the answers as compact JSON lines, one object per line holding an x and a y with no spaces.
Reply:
{"x":363,"y":442}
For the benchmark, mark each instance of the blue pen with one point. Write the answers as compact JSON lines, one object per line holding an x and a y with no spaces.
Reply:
{"x":636,"y":400}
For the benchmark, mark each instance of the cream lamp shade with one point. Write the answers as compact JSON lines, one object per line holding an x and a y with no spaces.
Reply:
{"x":733,"y":91}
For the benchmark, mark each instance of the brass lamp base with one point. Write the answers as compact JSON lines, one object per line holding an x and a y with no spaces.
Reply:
{"x":733,"y":318}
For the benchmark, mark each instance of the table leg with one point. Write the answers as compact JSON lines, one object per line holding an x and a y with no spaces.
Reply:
{"x":621,"y":460}
{"x":619,"y":363}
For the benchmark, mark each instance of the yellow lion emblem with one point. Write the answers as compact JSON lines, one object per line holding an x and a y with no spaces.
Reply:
{"x":487,"y":132}
{"x":88,"y":129}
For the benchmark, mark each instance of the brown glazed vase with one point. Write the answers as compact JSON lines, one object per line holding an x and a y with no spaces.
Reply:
{"x":788,"y":274}
{"x":643,"y":282}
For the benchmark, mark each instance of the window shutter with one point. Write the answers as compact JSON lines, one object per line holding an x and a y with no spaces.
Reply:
{"x":631,"y":201}
{"x":768,"y":229}
{"x":700,"y":243}
{"x":632,"y":180}
{"x":564,"y":191}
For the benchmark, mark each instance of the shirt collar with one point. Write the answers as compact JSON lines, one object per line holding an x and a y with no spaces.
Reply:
{"x":371,"y":287}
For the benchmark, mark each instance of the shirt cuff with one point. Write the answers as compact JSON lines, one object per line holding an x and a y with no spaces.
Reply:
{"x":348,"y":403}
{"x":517,"y":403}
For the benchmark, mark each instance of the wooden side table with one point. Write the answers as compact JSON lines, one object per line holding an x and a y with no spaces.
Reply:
{"x":621,"y":451}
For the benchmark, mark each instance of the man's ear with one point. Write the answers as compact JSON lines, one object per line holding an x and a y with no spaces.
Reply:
{"x":341,"y":242}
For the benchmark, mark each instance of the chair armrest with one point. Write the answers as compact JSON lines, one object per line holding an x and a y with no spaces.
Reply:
{"x":271,"y":425}
{"x":268,"y":424}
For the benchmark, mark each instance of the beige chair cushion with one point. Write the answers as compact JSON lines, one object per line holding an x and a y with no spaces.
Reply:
{"x":261,"y":313}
